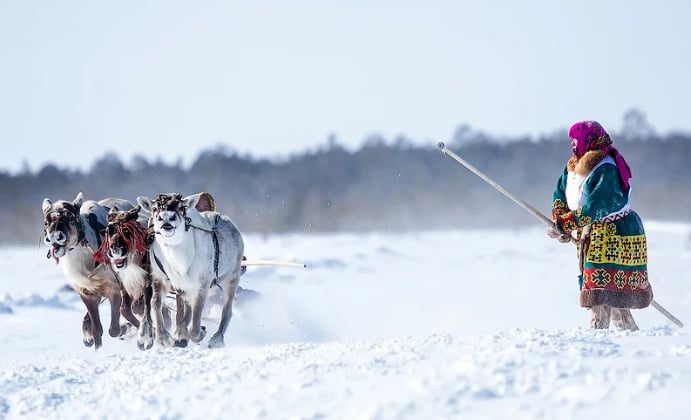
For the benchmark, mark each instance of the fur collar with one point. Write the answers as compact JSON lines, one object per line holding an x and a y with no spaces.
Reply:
{"x":586,"y":163}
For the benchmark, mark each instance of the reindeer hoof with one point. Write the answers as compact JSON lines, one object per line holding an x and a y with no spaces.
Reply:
{"x":200,"y":336}
{"x":164,"y":339}
{"x":164,"y":343}
{"x":118,"y":331}
{"x":145,"y":337}
{"x":216,"y":342}
{"x":144,"y":346}
{"x":180,"y":343}
{"x":145,"y":343}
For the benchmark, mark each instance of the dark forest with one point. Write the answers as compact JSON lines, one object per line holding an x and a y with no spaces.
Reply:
{"x":382,"y":186}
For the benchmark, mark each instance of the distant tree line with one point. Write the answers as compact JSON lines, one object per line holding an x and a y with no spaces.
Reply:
{"x":382,"y":186}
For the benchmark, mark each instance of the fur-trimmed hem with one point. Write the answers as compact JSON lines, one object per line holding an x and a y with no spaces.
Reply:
{"x":617,"y":299}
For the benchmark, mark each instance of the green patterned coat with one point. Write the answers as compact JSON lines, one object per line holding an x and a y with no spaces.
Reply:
{"x":589,"y":200}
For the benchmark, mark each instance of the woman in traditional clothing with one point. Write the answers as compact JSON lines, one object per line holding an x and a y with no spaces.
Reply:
{"x":591,"y":199}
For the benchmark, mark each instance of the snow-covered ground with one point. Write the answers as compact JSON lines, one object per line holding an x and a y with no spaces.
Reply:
{"x":430,"y":325}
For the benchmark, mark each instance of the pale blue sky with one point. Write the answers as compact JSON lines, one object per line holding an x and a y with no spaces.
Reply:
{"x":169,"y":78}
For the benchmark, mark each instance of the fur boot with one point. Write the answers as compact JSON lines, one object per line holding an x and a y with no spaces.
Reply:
{"x":623,"y":319}
{"x":600,"y":317}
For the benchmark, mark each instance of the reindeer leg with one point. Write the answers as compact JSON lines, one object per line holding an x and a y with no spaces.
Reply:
{"x":87,"y":330}
{"x":167,"y":318}
{"x":197,"y":331}
{"x":94,"y":336}
{"x":126,"y":309}
{"x":145,"y":334}
{"x":116,"y":329}
{"x":162,"y":335}
{"x":216,"y":340}
{"x":182,"y":320}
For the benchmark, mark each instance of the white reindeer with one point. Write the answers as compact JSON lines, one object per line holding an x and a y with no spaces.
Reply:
{"x":192,"y":252}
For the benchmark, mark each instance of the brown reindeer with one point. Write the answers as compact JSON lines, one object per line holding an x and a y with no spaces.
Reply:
{"x":125,"y":249}
{"x":73,"y":230}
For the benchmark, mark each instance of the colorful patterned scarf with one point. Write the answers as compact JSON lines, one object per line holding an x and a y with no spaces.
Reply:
{"x":589,"y":135}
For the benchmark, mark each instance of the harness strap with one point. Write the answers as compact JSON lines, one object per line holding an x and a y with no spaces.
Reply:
{"x":214,"y":236}
{"x":158,"y":262}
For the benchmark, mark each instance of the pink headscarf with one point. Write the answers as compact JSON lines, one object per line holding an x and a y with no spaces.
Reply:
{"x":589,"y":135}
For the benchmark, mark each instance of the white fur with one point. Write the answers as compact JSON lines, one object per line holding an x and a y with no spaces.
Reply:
{"x":133,"y":279}
{"x":575,"y":193}
{"x":78,"y":265}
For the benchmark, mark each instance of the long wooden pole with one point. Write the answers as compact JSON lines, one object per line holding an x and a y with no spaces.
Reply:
{"x":530,"y":209}
{"x":273,"y":262}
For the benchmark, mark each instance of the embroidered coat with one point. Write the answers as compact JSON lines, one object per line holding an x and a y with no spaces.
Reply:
{"x":589,"y":198}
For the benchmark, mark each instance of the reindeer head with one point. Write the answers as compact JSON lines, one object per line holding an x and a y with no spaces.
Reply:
{"x":168,"y":214}
{"x":63,"y":229}
{"x":124,"y":238}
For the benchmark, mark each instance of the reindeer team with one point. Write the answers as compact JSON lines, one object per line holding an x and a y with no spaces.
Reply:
{"x":135,"y":256}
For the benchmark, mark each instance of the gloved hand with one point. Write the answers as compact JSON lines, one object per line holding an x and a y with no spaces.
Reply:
{"x":555,"y":232}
